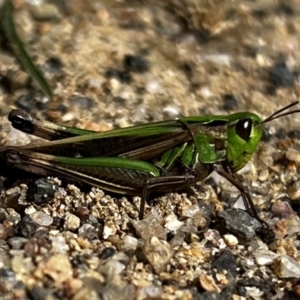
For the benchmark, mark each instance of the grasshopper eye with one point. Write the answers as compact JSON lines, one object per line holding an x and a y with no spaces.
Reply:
{"x":243,"y":128}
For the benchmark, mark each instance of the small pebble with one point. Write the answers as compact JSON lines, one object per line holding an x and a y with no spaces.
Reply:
{"x":72,"y":222}
{"x":45,"y":12}
{"x":59,"y":244}
{"x":107,"y":252}
{"x":54,"y":63}
{"x":83,"y":102}
{"x":7,"y":280}
{"x":171,"y":112}
{"x":172,"y":223}
{"x":208,"y":283}
{"x":282,"y":208}
{"x":57,"y":267}
{"x":293,"y":155}
{"x":286,"y":267}
{"x":109,"y":229}
{"x":114,"y":266}
{"x":88,"y":231}
{"x":294,"y":191}
{"x":240,"y":223}
{"x":230,"y":240}
{"x":17,"y":243}
{"x":225,"y":261}
{"x":136,"y":63}
{"x":264,"y":257}
{"x":158,"y":253}
{"x":148,"y":228}
{"x":3,"y":232}
{"x":40,"y":191}
{"x":27,"y":227}
{"x":129,"y":243}
{"x":230,"y":102}
{"x":41,"y":218}
{"x":281,"y":75}
{"x":189,"y":211}
{"x":32,"y":247}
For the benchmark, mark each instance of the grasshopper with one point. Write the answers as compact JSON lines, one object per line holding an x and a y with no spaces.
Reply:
{"x":139,"y":160}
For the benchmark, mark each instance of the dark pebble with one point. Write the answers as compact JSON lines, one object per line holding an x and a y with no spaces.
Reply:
{"x":226,"y":262}
{"x":132,"y":24}
{"x":286,"y":8}
{"x":209,"y":296}
{"x":26,"y":227}
{"x":3,"y":214}
{"x":39,"y":293}
{"x":260,"y":13}
{"x":25,"y":102}
{"x":76,"y":262}
{"x":40,"y":191}
{"x":281,"y":75}
{"x":266,"y":135}
{"x":202,"y":35}
{"x":120,"y":100}
{"x":240,"y":223}
{"x":7,"y":280}
{"x":230,"y":103}
{"x":136,"y":64}
{"x":82,"y":102}
{"x":54,"y":63}
{"x":280,"y":133}
{"x":120,"y":75}
{"x":107,"y":253}
{"x":252,"y":282}
{"x":294,"y":134}
{"x":57,"y":222}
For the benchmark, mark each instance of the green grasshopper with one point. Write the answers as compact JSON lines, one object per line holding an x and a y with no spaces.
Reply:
{"x":161,"y":156}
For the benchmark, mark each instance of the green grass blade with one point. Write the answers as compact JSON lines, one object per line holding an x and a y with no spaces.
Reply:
{"x":9,"y":30}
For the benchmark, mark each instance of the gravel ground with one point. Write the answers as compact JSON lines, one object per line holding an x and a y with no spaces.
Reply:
{"x":115,"y":64}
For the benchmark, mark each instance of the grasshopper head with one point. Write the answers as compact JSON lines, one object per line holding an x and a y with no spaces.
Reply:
{"x":244,"y":131}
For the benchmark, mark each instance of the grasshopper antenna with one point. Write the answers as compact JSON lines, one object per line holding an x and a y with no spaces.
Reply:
{"x":278,"y":114}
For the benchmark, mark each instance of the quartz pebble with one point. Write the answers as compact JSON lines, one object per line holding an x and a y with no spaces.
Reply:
{"x":109,"y":229}
{"x":148,"y":228}
{"x":57,"y":267}
{"x":157,"y":252}
{"x":208,"y":283}
{"x":230,"y":240}
{"x":17,"y":242}
{"x":88,"y":231}
{"x":128,"y":243}
{"x":172,"y":223}
{"x":286,"y":267}
{"x":72,"y":222}
{"x":41,"y":218}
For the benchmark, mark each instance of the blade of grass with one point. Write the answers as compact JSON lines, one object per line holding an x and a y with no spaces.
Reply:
{"x":9,"y":30}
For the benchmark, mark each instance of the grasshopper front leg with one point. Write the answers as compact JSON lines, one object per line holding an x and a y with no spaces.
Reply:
{"x":247,"y":199}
